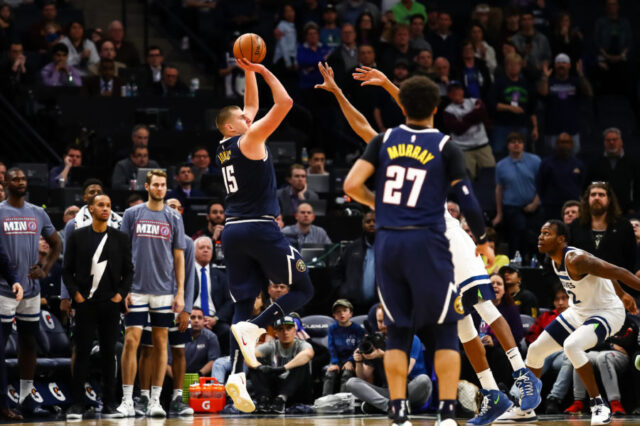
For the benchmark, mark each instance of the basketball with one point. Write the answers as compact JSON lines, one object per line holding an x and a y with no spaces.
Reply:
{"x":251,"y":47}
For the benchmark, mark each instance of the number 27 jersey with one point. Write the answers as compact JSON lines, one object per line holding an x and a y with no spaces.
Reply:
{"x":414,"y":167}
{"x":250,"y":184}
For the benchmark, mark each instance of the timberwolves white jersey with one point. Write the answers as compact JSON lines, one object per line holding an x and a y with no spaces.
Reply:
{"x":468,"y":269}
{"x":590,"y":293}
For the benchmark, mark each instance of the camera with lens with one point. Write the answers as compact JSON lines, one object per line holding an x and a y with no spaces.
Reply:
{"x":372,"y":340}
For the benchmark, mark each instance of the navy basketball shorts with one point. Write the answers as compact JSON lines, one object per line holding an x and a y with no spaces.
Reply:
{"x":414,"y":274}
{"x":256,"y":251}
{"x":177,"y":338}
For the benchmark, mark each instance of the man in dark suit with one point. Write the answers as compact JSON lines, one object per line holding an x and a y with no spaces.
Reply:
{"x":97,"y":272}
{"x":170,"y":84}
{"x":355,"y":272}
{"x":152,"y":70}
{"x":185,"y":187}
{"x":106,"y":83}
{"x":211,"y":293}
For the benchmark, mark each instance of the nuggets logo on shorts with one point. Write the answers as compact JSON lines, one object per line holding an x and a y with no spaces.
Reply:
{"x":153,"y":229}
{"x":300,"y":266}
{"x":457,"y":305}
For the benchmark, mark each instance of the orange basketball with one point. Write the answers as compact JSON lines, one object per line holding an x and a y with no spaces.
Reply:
{"x":251,"y":47}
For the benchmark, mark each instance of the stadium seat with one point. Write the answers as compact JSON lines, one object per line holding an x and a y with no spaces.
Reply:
{"x":527,"y":322}
{"x":317,"y":326}
{"x":359,"y":320}
{"x":59,"y":345}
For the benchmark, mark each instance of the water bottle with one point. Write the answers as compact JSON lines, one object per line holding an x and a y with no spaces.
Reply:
{"x":304,"y":155}
{"x":482,"y":329}
{"x":194,"y":86}
{"x":128,"y":90}
{"x":219,"y":252}
{"x":134,"y":88}
{"x":70,"y":79}
{"x":517,"y":259}
{"x":179,"y":125}
{"x":123,"y":91}
{"x":534,"y":261}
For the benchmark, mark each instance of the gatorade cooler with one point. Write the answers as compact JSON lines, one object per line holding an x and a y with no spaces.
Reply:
{"x":206,"y":397}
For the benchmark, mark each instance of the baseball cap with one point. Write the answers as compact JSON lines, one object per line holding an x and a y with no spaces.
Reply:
{"x":562,"y":58}
{"x":401,"y":62}
{"x":342,"y":302}
{"x":508,"y":269}
{"x":454,"y":83}
{"x":285,"y":320}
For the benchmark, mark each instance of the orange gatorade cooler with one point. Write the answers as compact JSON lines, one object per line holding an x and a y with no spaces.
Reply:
{"x":207,"y":397}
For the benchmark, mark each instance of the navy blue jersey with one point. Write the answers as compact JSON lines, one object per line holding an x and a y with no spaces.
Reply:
{"x":250,"y":184}
{"x":414,"y":168}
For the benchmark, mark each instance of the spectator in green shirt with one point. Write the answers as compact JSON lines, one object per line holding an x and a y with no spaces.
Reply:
{"x":405,"y":9}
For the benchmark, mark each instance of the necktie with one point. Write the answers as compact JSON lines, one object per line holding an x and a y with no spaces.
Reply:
{"x":204,"y":291}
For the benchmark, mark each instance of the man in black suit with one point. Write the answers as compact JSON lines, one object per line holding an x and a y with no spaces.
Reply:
{"x":170,"y":84}
{"x":217,"y":306}
{"x":97,"y":272}
{"x":152,"y":70}
{"x":106,"y":83}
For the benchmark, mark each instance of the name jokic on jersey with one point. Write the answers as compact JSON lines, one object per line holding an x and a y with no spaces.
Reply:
{"x":153,"y":229}
{"x":20,"y":226}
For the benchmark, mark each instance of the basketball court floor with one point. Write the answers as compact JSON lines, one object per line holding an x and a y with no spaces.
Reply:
{"x":328,"y":420}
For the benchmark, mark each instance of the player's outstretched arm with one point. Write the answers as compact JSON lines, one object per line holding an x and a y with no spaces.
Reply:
{"x":354,"y":183}
{"x":373,"y":77}
{"x":251,"y":98}
{"x":581,"y":263}
{"x":356,"y":120}
{"x":252,"y":142}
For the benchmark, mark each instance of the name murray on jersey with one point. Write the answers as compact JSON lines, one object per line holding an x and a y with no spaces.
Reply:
{"x":411,"y":151}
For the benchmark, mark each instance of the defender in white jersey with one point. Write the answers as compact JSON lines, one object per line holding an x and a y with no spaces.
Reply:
{"x":476,"y":292}
{"x":596,"y":310}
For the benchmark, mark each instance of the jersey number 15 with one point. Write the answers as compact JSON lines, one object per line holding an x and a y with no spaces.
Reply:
{"x":393,"y":186}
{"x":230,"y":182}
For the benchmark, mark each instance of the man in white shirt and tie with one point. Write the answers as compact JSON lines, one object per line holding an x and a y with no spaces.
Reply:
{"x":211,"y":293}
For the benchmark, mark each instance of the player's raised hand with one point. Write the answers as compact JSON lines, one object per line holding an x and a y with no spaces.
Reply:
{"x":18,"y":291}
{"x":370,"y":76}
{"x":329,"y":81}
{"x":486,"y":250}
{"x":178,"y":303}
{"x":250,"y":66}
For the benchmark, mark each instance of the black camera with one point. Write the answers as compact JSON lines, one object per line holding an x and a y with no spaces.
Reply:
{"x":372,"y":340}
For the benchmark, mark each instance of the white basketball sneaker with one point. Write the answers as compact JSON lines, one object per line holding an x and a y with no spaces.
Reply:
{"x":236,"y":387}
{"x":600,"y":412}
{"x":247,"y":334}
{"x":155,"y":409}
{"x":126,"y":408}
{"x":516,"y":415}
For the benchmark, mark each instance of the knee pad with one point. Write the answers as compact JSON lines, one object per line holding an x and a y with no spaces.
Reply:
{"x":399,"y":338}
{"x":577,"y":343}
{"x":487,"y":311}
{"x":466,"y":330}
{"x":445,"y":335}
{"x":539,"y":350}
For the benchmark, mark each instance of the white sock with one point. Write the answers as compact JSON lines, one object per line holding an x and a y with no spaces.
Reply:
{"x":177,"y":393}
{"x":515,"y":359}
{"x":25,"y":389}
{"x":127,"y":393}
{"x":155,"y":393}
{"x":487,"y":381}
{"x":144,"y":392}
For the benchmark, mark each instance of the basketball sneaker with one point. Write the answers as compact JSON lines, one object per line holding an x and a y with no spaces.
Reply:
{"x":600,"y":412}
{"x":517,"y":415}
{"x":141,"y":406}
{"x":529,"y":386}
{"x":617,"y":409}
{"x":155,"y":409}
{"x":179,"y":408}
{"x":126,"y":408}
{"x":576,"y":408}
{"x":247,"y":334}
{"x":236,"y":387}
{"x":494,"y":404}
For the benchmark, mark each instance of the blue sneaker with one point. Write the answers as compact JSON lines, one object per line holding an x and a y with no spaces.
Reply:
{"x":494,"y":404}
{"x":529,"y":386}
